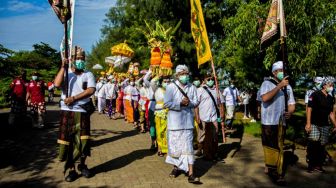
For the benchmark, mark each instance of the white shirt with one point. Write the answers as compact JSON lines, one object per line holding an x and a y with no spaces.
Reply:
{"x":135,"y":94}
{"x":245,"y":97}
{"x":143,"y":97}
{"x":230,"y":96}
{"x":159,"y":98}
{"x":274,"y":109}
{"x":76,"y":83}
{"x":110,"y":90}
{"x":207,"y":109}
{"x":98,"y":85}
{"x":101,"y":91}
{"x":180,"y":117}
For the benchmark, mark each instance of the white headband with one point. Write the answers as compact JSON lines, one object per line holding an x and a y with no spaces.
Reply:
{"x":277,"y":65}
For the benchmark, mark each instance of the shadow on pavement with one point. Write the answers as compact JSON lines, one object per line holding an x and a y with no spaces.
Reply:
{"x":122,"y":161}
{"x":120,"y":135}
{"x":25,"y":149}
{"x":31,"y":182}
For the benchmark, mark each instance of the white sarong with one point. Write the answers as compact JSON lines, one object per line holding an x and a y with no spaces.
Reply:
{"x":180,"y":148}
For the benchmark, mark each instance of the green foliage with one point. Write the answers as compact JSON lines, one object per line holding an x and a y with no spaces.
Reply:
{"x":42,"y":59}
{"x":234,"y":29}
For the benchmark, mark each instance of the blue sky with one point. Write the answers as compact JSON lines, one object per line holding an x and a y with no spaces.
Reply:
{"x":26,"y":22}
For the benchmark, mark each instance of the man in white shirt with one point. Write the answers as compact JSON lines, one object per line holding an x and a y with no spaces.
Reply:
{"x":208,"y":117}
{"x":101,"y":97}
{"x":181,"y":98}
{"x":231,"y":96}
{"x":75,"y":116}
{"x":273,"y":93}
{"x":110,"y":90}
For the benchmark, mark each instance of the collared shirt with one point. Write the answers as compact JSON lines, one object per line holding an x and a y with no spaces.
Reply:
{"x":77,"y":84}
{"x":207,"y":109}
{"x":274,"y":109}
{"x":159,"y":98}
{"x":180,"y":117}
{"x":231,"y":96}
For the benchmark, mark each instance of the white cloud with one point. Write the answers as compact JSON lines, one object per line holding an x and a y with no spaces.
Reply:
{"x":19,"y":6}
{"x":21,"y":32}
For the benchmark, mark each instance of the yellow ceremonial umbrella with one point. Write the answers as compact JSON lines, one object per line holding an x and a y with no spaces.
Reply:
{"x":122,"y":49}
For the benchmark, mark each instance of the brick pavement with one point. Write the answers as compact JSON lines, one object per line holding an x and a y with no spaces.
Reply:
{"x":120,"y":158}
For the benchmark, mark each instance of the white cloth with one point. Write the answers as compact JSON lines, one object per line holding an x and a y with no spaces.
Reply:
{"x":76,"y":83}
{"x":159,"y":98}
{"x":207,"y":109}
{"x":101,"y":91}
{"x":180,"y":117}
{"x":143,"y":97}
{"x":230,"y":112}
{"x":151,"y":87}
{"x":308,"y":93}
{"x":231,"y":96}
{"x":101,"y":104}
{"x":180,"y":148}
{"x":274,"y":109}
{"x":128,"y":93}
{"x":181,"y":68}
{"x":135,"y":94}
{"x":277,"y":65}
{"x":98,"y":85}
{"x":110,"y":90}
{"x":245,"y":97}
{"x":318,"y":79}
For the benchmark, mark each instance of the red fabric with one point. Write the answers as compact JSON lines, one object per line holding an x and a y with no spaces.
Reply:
{"x":147,"y":111}
{"x":18,"y":87}
{"x":36,"y":90}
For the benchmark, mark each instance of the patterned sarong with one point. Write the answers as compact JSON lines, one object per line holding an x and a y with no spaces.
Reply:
{"x":73,"y":137}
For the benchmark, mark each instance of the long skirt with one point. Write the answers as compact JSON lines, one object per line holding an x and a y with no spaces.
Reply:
{"x":180,"y":148}
{"x":74,"y":137}
{"x":161,"y":130}
{"x":120,"y":106}
{"x":38,"y":110}
{"x":129,"y":111}
{"x":272,"y":137}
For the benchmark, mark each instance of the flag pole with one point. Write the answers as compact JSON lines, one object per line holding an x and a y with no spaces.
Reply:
{"x":66,"y":56}
{"x":221,"y":110}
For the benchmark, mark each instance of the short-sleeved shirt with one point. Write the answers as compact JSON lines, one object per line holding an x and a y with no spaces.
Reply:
{"x":274,"y":109}
{"x":231,"y":96}
{"x":77,"y":85}
{"x":36,"y":90}
{"x":308,"y":93}
{"x":321,"y":106}
{"x":207,"y":109}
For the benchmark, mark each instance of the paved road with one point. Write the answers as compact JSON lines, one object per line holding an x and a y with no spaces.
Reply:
{"x":120,"y":158}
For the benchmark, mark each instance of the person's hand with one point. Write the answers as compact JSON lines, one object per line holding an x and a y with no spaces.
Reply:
{"x":308,"y":127}
{"x":287,"y":115}
{"x":68,"y":101}
{"x":185,"y":101}
{"x":284,"y":82}
{"x":334,"y":130}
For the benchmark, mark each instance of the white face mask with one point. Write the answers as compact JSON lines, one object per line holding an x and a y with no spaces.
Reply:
{"x":132,"y":83}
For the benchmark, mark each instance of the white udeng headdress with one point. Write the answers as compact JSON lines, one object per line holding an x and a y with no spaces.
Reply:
{"x":277,"y":65}
{"x":181,"y":68}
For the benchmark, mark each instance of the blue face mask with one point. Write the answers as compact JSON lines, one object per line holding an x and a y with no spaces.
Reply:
{"x":34,"y":77}
{"x":80,"y":64}
{"x":184,"y":79}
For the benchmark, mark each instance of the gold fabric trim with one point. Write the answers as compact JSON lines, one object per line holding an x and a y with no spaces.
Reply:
{"x":84,"y":137}
{"x":62,"y":142}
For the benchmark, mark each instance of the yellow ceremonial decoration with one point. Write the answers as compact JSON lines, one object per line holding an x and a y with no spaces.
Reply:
{"x":122,"y":49}
{"x":199,"y":33}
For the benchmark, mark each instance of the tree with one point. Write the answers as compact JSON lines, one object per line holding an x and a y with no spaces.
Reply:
{"x":234,"y":32}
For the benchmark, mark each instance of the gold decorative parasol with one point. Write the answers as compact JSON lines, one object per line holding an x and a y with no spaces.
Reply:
{"x":122,"y":49}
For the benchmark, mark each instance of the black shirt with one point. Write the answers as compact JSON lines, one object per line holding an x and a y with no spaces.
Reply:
{"x":321,"y":106}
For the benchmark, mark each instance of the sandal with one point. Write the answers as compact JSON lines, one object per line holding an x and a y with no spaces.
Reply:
{"x":160,"y":154}
{"x":174,"y":173}
{"x":193,"y":179}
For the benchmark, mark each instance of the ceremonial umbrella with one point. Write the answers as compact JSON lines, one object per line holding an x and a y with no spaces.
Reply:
{"x":117,"y":60}
{"x":97,"y":67}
